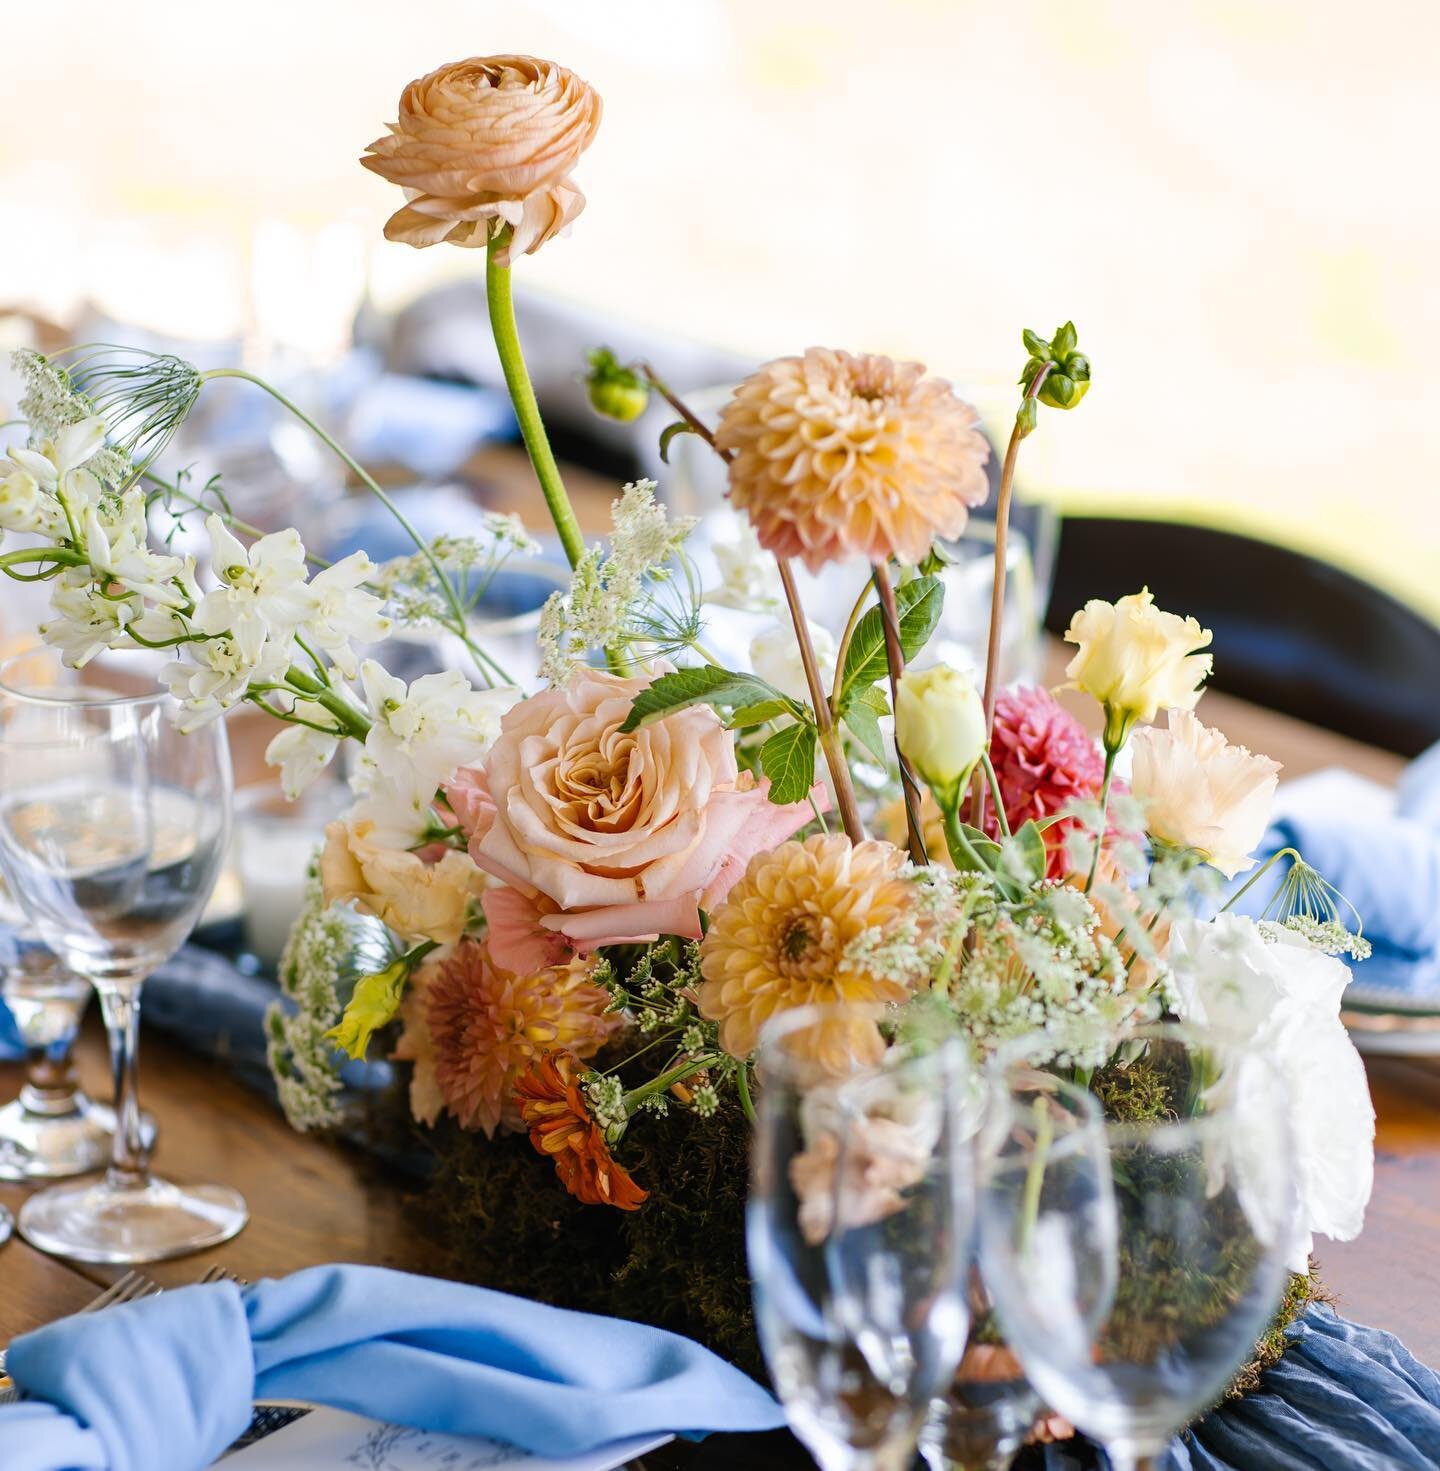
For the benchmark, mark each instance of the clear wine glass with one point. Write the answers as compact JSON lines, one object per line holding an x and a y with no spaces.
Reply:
{"x":1132,"y":1294}
{"x":858,"y":1231}
{"x":113,"y":826}
{"x":983,"y":1418}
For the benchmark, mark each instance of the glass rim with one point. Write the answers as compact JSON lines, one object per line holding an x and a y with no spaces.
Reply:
{"x":98,"y":699}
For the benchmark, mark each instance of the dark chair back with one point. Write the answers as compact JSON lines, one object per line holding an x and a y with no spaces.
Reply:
{"x":1291,"y":633}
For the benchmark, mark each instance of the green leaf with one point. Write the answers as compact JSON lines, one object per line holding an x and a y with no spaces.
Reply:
{"x":864,"y":725}
{"x":788,"y":759}
{"x":1035,"y":344}
{"x":706,"y":685}
{"x":918,"y":603}
{"x":748,"y":715}
{"x":668,"y":433}
{"x":987,"y":849}
{"x":1031,"y":847}
{"x":1063,"y":343}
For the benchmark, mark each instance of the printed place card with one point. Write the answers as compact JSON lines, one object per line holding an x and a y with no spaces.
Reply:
{"x":331,"y":1440}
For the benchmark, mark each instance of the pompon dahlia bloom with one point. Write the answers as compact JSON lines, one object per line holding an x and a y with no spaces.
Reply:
{"x":837,"y":455}
{"x":488,"y":141}
{"x":1044,"y":760}
{"x":561,"y":1126}
{"x":785,"y":938}
{"x":486,"y":1026}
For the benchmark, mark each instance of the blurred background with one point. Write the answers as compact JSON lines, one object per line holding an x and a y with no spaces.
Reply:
{"x":1228,"y":199}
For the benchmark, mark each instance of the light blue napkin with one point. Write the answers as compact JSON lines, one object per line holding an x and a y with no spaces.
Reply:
{"x":1388,"y":868}
{"x":166,"y":1384}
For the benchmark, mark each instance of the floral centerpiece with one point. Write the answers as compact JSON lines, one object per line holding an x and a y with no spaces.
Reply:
{"x":596,"y":893}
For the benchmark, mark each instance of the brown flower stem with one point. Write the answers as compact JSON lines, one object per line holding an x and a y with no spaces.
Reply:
{"x":824,"y":722}
{"x":895,"y":658}
{"x":522,"y":396}
{"x":997,"y":591}
{"x":682,"y":408}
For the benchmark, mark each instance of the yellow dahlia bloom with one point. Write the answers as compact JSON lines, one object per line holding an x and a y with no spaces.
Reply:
{"x":837,"y":455}
{"x":487,"y":1026}
{"x":783,"y":939}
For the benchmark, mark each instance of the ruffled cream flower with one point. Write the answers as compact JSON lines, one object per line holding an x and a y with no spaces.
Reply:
{"x":418,"y":900}
{"x":486,"y":142}
{"x":782,"y":940}
{"x":1136,"y":660}
{"x":486,"y":1027}
{"x":836,"y":455}
{"x":1203,"y":793}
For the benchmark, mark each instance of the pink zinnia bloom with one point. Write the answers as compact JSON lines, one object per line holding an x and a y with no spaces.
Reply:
{"x":1045,"y":760}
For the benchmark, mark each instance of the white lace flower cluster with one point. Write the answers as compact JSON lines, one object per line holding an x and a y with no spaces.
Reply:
{"x":607,"y":605}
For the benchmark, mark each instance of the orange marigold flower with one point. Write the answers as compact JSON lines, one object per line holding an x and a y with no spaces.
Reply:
{"x":838,"y":455}
{"x":561,"y":1125}
{"x":486,"y":1026}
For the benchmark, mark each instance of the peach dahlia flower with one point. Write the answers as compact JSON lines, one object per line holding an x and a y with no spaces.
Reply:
{"x":486,"y":142}
{"x":837,"y":455}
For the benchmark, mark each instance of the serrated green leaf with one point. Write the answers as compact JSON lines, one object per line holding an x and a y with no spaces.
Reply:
{"x":747,"y":715}
{"x":1063,"y":341}
{"x":1035,"y":344}
{"x":876,"y":698}
{"x":864,"y":725}
{"x":668,"y":433}
{"x":705,"y":685}
{"x":918,"y":603}
{"x":788,"y":759}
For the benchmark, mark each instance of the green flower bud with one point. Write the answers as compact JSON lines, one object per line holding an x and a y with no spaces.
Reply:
{"x":1061,"y":391}
{"x":615,"y":391}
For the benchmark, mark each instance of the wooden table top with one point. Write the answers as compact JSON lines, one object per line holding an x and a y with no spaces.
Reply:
{"x":314,"y":1201}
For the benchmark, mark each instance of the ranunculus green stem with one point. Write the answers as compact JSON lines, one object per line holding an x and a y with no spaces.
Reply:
{"x":962,"y":850}
{"x":522,"y":396}
{"x":993,"y":782}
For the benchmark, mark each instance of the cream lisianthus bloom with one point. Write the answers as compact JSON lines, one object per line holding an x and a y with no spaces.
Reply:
{"x":1136,"y":660}
{"x":1201,"y":792}
{"x":418,"y":900}
{"x":940,"y":726}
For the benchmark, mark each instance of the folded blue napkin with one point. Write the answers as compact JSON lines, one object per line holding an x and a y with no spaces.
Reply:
{"x":1344,"y":1398}
{"x":167,"y":1384}
{"x":1388,"y":868}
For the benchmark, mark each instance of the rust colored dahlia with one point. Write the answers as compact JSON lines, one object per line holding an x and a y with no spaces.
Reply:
{"x":837,"y":455}
{"x":1045,"y":760}
{"x":783,"y":938}
{"x":561,"y":1126}
{"x":487,"y":1026}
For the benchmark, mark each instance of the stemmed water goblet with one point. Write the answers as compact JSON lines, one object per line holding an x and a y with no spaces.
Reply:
{"x":858,"y":1232}
{"x":113,"y":826}
{"x":1132,"y":1293}
{"x":984,"y":1416}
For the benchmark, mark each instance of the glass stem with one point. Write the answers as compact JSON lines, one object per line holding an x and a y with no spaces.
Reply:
{"x":129,"y":1159}
{"x":50,"y":1087}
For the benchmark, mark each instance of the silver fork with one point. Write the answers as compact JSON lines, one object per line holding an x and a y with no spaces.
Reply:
{"x":129,"y":1288}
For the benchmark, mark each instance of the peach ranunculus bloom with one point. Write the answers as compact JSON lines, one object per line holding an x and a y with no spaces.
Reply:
{"x":1201,"y":792}
{"x":486,"y":142}
{"x":603,"y":836}
{"x":418,"y":900}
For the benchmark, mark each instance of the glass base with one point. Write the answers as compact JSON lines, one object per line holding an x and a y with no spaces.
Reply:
{"x":145,"y":1222}
{"x":50,"y":1146}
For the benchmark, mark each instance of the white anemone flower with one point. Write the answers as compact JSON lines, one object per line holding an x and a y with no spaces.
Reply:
{"x":262,"y":594}
{"x":342,"y":612}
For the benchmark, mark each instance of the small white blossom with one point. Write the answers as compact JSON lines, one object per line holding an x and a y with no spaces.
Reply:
{"x":262,"y":593}
{"x":25,"y":507}
{"x":84,"y":621}
{"x":300,"y":751}
{"x":343,"y":611}
{"x":119,"y":553}
{"x":216,"y":674}
{"x":59,"y":466}
{"x":749,"y":576}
